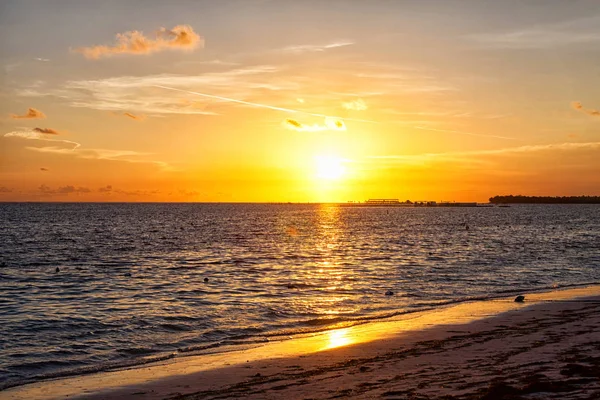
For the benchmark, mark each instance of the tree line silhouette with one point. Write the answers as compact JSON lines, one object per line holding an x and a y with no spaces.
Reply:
{"x":545,"y":199}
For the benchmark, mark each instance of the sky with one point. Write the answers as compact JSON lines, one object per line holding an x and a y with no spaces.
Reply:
{"x":298,"y":101}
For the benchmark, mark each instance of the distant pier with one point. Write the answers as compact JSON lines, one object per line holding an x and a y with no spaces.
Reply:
{"x":408,"y":203}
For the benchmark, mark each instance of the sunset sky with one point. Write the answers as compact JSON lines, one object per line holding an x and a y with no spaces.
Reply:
{"x":258,"y":100}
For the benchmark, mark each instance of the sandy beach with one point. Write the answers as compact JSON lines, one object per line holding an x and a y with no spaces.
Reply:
{"x":547,"y":347}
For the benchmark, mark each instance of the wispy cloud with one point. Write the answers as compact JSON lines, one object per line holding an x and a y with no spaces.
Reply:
{"x":331,"y":124}
{"x":303,"y":48}
{"x":43,"y":169}
{"x":140,"y":94}
{"x":357,"y":105}
{"x":563,"y":33}
{"x":31,"y":113}
{"x":41,"y":59}
{"x":181,"y":37}
{"x":36,"y":135}
{"x":535,"y":39}
{"x":579,"y":107}
{"x":74,"y":149}
{"x":461,"y":155}
{"x":424,"y":128}
{"x":4,"y":189}
{"x":46,"y":131}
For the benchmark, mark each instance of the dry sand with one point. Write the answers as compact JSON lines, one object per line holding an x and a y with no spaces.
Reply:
{"x":545,"y":348}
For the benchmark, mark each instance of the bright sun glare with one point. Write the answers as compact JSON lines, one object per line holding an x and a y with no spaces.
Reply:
{"x":329,"y":167}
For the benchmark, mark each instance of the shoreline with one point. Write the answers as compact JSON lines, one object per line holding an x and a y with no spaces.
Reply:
{"x":218,"y":374}
{"x":287,"y":334}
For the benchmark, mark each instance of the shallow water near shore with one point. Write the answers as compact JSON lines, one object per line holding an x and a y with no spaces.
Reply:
{"x":131,"y":283}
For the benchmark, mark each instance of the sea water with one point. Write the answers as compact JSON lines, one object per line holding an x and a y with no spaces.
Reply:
{"x":85,"y":287}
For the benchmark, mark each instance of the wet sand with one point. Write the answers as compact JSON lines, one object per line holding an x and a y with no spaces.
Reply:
{"x":547,"y":347}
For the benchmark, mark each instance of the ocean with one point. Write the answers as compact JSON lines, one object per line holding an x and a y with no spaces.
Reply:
{"x":143,"y":282}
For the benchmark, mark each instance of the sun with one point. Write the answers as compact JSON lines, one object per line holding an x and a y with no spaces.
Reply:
{"x":329,"y":167}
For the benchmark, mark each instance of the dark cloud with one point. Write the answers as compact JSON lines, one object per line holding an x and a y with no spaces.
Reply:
{"x":136,"y":192}
{"x":135,"y":117}
{"x":105,"y":189}
{"x":31,"y":113}
{"x":47,"y":131}
{"x":4,"y":189}
{"x":46,"y":190}
{"x":190,"y":193}
{"x":72,"y":189}
{"x":293,"y":123}
{"x":331,"y":124}
{"x":44,"y":169}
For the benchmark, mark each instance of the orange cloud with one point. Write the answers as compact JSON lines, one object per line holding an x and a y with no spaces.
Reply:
{"x":136,"y":117}
{"x":44,"y":169}
{"x":32,"y":113}
{"x":46,"y":131}
{"x":578,"y":106}
{"x":181,"y":37}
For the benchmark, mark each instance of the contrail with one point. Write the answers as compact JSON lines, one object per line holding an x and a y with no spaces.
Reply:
{"x":248,"y":103}
{"x":294,"y":111}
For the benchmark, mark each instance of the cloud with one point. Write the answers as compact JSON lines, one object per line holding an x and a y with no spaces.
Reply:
{"x":44,"y":169}
{"x":357,"y":105}
{"x":69,"y":189}
{"x":42,"y":59}
{"x":105,"y":189}
{"x":74,"y":149}
{"x":36,"y":134}
{"x":423,"y":128}
{"x":190,"y":193}
{"x":31,"y":113}
{"x":137,"y":192}
{"x":46,"y":131}
{"x":140,"y":94}
{"x":340,"y":126}
{"x":335,"y":124}
{"x":72,"y":189}
{"x":536,"y":38}
{"x":578,"y":106}
{"x":304,"y":48}
{"x":135,"y":117}
{"x":461,"y":155}
{"x":129,"y":156}
{"x":560,"y":32}
{"x":4,"y":189}
{"x":331,"y":124}
{"x":181,"y":37}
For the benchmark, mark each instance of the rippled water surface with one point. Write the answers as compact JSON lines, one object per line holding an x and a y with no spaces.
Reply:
{"x":131,"y":285}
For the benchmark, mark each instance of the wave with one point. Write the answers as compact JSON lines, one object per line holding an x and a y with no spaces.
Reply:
{"x":253,"y":336}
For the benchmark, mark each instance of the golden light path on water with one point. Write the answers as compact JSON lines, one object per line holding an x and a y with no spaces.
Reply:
{"x":338,"y":338}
